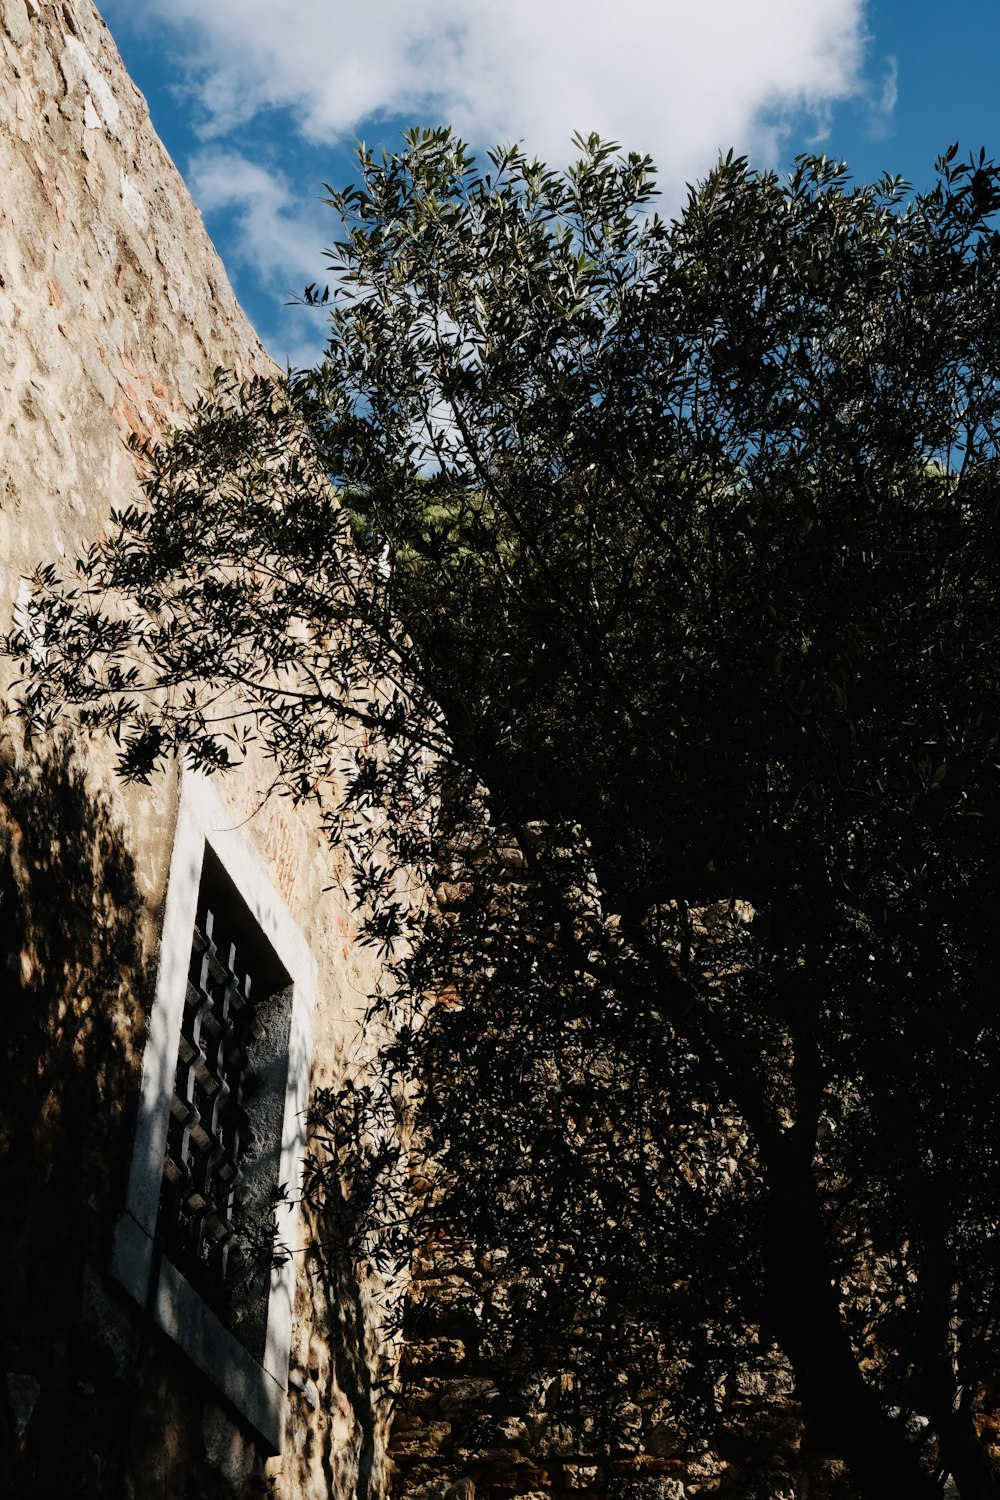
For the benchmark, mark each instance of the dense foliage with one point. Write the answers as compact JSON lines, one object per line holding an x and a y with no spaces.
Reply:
{"x":691,"y":529}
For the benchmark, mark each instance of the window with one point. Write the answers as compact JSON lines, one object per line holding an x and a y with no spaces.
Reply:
{"x":220,"y":1180}
{"x":221,"y":1118}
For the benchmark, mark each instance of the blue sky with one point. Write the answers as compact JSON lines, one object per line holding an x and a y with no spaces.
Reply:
{"x":260,"y":101}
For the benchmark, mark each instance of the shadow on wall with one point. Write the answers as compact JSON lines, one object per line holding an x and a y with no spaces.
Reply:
{"x":73,"y":990}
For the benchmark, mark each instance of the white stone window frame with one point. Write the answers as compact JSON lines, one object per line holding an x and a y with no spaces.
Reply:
{"x":257,"y":1389}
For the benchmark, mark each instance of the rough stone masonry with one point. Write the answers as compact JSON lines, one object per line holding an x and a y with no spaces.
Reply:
{"x":114,"y":313}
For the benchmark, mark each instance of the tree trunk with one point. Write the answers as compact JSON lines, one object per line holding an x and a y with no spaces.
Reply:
{"x":966,"y":1460}
{"x":842,"y":1413}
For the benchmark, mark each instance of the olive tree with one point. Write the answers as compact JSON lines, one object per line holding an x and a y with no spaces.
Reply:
{"x":672,"y":588}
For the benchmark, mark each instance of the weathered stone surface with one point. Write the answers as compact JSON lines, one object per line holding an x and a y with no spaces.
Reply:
{"x":434,"y":1354}
{"x":419,"y":1439}
{"x":478,"y":1392}
{"x":227,"y":1449}
{"x":583,"y":1476}
{"x":114,"y":313}
{"x":658,"y":1488}
{"x":515,"y":1432}
{"x":22,"y":1396}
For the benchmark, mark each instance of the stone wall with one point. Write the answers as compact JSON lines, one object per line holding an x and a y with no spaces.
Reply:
{"x":487,"y":1410}
{"x":470,"y":1424}
{"x":114,"y":313}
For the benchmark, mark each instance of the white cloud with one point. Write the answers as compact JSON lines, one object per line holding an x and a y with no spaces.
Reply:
{"x":269,"y":231}
{"x":680,"y":80}
{"x":276,"y":232}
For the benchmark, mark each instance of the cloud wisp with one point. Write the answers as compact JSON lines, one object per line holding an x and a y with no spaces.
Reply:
{"x":274,"y":234}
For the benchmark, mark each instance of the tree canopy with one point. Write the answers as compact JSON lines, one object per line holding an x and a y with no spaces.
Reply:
{"x":668,"y":638}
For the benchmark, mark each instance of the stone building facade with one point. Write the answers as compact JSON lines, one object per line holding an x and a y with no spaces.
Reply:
{"x":178,"y":965}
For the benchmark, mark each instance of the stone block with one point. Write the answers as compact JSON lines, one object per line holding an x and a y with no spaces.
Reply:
{"x":16,"y":24}
{"x":419,"y":1439}
{"x":513,"y":1430}
{"x":582,"y":1476}
{"x":433,"y":1354}
{"x":472,"y":1393}
{"x":561,"y":1440}
{"x":661,"y":1439}
{"x":647,"y":1487}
